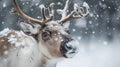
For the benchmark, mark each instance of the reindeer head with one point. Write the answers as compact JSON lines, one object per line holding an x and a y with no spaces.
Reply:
{"x":53,"y":36}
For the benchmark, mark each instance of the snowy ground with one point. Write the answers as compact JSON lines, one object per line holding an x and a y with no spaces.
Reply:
{"x":95,"y":55}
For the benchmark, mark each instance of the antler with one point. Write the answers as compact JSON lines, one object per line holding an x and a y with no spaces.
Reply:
{"x":75,"y":14}
{"x":45,"y":19}
{"x":51,"y":13}
{"x":64,"y":12}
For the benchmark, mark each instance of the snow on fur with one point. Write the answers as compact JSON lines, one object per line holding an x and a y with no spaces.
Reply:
{"x":19,"y":56}
{"x":12,"y":38}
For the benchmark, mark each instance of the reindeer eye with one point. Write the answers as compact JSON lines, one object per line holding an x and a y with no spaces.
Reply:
{"x":68,"y":31}
{"x":46,"y":35}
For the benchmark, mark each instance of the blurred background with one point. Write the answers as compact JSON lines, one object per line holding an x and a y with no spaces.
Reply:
{"x":98,"y":34}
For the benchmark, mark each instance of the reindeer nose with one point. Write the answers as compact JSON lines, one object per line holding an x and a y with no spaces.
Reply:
{"x":68,"y":49}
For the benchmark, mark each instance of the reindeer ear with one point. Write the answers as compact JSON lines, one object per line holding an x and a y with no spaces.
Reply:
{"x":30,"y":28}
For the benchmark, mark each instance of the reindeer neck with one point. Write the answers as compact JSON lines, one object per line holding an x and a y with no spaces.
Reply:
{"x":49,"y":62}
{"x":46,"y":62}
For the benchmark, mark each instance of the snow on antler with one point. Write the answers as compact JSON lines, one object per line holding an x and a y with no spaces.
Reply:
{"x":78,"y":12}
{"x":64,"y":12}
{"x":51,"y":13}
{"x":51,"y":10}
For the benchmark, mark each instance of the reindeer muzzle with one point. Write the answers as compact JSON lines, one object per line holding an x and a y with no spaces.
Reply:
{"x":69,"y":48}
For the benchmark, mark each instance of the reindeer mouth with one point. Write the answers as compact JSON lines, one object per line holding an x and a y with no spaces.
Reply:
{"x":68,"y":49}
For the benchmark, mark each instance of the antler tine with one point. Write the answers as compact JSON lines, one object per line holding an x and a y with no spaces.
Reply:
{"x":65,"y":10}
{"x":51,"y":13}
{"x":51,"y":10}
{"x":77,"y":13}
{"x":24,"y":15}
{"x":43,"y":12}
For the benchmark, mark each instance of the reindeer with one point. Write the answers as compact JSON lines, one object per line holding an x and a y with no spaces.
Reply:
{"x":42,"y":43}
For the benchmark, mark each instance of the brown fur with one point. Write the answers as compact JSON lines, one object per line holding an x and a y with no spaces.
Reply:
{"x":4,"y":44}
